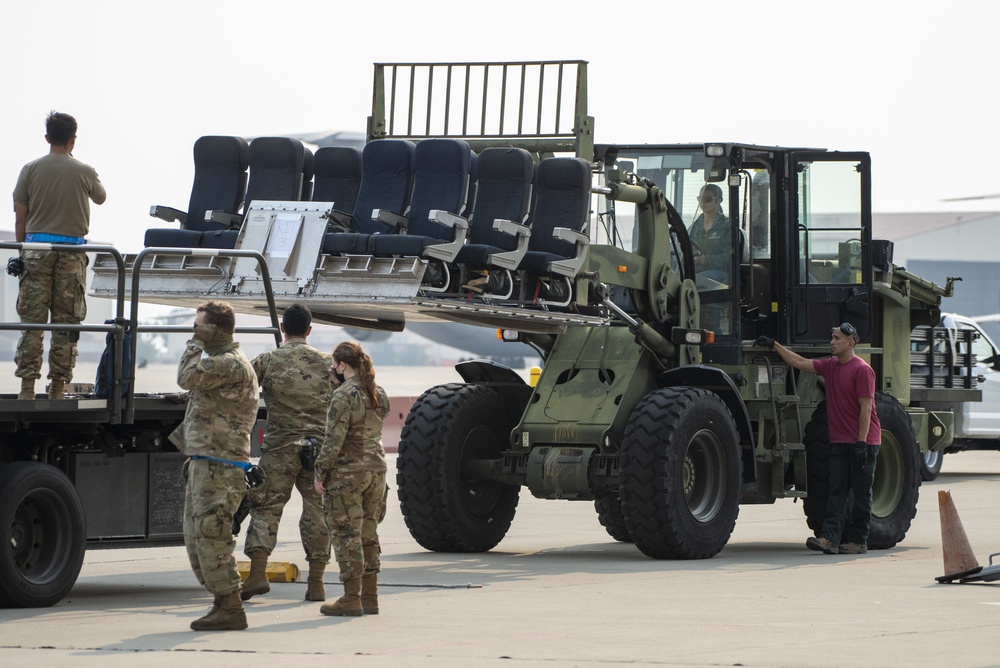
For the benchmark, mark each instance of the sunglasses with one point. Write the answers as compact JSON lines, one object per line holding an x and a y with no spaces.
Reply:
{"x":706,"y":198}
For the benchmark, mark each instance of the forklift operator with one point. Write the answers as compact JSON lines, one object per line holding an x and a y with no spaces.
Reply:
{"x":711,"y":234}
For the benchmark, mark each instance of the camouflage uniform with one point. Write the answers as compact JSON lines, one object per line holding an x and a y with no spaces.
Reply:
{"x":221,"y":413}
{"x":351,"y":465}
{"x":57,"y":190}
{"x":295,"y":379}
{"x":53,"y":281}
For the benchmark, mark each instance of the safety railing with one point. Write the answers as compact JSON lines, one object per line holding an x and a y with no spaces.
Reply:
{"x":122,"y":409}
{"x":537,"y":105}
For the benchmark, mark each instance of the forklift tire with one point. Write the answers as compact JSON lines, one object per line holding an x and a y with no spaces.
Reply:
{"x":681,"y":474}
{"x":609,"y":514}
{"x":930,"y":465}
{"x":444,"y":511}
{"x":42,"y":535}
{"x":897,"y":474}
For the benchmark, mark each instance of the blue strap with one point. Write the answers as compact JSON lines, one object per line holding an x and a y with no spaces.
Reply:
{"x":243,"y":465}
{"x":44,"y":238}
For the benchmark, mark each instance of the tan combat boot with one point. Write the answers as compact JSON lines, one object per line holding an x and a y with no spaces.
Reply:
{"x":315,"y":591}
{"x":256,"y":583}
{"x":57,"y":389}
{"x":348,"y":605}
{"x":27,"y":389}
{"x":369,"y":594}
{"x":230,"y":616}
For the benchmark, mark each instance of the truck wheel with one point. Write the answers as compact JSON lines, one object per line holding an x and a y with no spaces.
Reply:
{"x":930,"y":465}
{"x":42,"y":535}
{"x":680,"y":474}
{"x":609,"y":514}
{"x":444,"y":509}
{"x":897,"y":473}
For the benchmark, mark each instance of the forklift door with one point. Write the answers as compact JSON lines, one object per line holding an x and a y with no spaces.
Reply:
{"x":831,"y":276}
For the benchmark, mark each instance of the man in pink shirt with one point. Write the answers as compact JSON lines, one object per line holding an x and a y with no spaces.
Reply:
{"x":855,"y":437}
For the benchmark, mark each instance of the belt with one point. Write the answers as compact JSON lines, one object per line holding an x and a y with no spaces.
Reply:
{"x":243,"y":465}
{"x":45,"y":238}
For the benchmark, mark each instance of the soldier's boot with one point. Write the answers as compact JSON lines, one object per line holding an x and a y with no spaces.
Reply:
{"x":348,"y":605}
{"x":315,"y":591}
{"x":216,"y":604}
{"x":256,"y":582}
{"x":229,"y":617}
{"x":369,"y":594}
{"x":27,"y":389}
{"x":57,"y":389}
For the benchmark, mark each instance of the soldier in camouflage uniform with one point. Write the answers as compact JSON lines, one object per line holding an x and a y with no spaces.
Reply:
{"x":52,"y":205}
{"x":215,"y":434}
{"x":350,"y":473}
{"x":295,"y":379}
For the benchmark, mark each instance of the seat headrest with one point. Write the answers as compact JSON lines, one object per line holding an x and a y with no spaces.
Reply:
{"x":277,"y":152}
{"x":564,"y":174}
{"x":451,"y":156}
{"x":220,"y":151}
{"x":380,"y":154}
{"x":332,"y":161}
{"x":505,"y":164}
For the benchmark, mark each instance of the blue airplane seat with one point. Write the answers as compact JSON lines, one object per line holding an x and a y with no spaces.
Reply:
{"x":220,"y":180}
{"x":562,"y":200}
{"x":503,"y":192}
{"x":337,"y":176}
{"x":386,"y":183}
{"x":442,"y":169}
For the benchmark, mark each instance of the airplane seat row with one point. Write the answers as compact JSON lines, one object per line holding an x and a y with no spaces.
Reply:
{"x":220,"y":180}
{"x":441,"y":176}
{"x":436,"y":199}
{"x":383,"y":194}
{"x":229,"y":174}
{"x":442,"y":172}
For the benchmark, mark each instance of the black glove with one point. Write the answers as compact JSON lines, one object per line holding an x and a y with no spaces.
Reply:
{"x":859,"y":455}
{"x":15,"y":266}
{"x":241,"y":513}
{"x":255,"y":476}
{"x":764,"y":341}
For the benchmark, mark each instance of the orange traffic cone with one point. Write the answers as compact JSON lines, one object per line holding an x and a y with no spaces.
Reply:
{"x":959,"y":559}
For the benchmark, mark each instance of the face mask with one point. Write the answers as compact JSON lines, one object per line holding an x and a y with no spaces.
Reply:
{"x":339,"y":377}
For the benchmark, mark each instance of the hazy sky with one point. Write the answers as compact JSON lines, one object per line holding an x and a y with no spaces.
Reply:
{"x":913,"y":83}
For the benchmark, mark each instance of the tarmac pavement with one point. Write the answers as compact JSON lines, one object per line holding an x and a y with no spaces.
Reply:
{"x":558,"y":591}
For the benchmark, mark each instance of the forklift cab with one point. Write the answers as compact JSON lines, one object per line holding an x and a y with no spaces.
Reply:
{"x":780,"y":237}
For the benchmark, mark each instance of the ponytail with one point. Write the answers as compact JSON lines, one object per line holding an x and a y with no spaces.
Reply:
{"x":354,"y":356}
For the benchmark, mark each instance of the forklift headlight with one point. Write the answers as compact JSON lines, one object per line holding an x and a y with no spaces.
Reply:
{"x":715,"y":150}
{"x":687,"y":337}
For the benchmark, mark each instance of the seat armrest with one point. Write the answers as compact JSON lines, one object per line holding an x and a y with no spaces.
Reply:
{"x":511,"y":259}
{"x":227,"y":219}
{"x":391,"y":219}
{"x":571,"y":266}
{"x":168,"y":214}
{"x":447,"y":219}
{"x":448,"y":251}
{"x":511,"y":228}
{"x":339,"y":219}
{"x":572,"y":236}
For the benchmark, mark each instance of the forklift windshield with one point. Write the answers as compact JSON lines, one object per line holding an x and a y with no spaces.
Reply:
{"x":697,"y":186}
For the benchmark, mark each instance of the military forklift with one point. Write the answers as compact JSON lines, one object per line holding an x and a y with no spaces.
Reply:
{"x":652,"y":403}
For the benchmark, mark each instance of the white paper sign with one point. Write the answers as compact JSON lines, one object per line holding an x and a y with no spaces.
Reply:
{"x":284,"y":234}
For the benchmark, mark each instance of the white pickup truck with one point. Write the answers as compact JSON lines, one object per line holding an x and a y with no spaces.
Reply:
{"x":977,"y":424}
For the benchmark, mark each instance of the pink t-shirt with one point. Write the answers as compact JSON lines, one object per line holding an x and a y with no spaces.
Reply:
{"x":845,"y":384}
